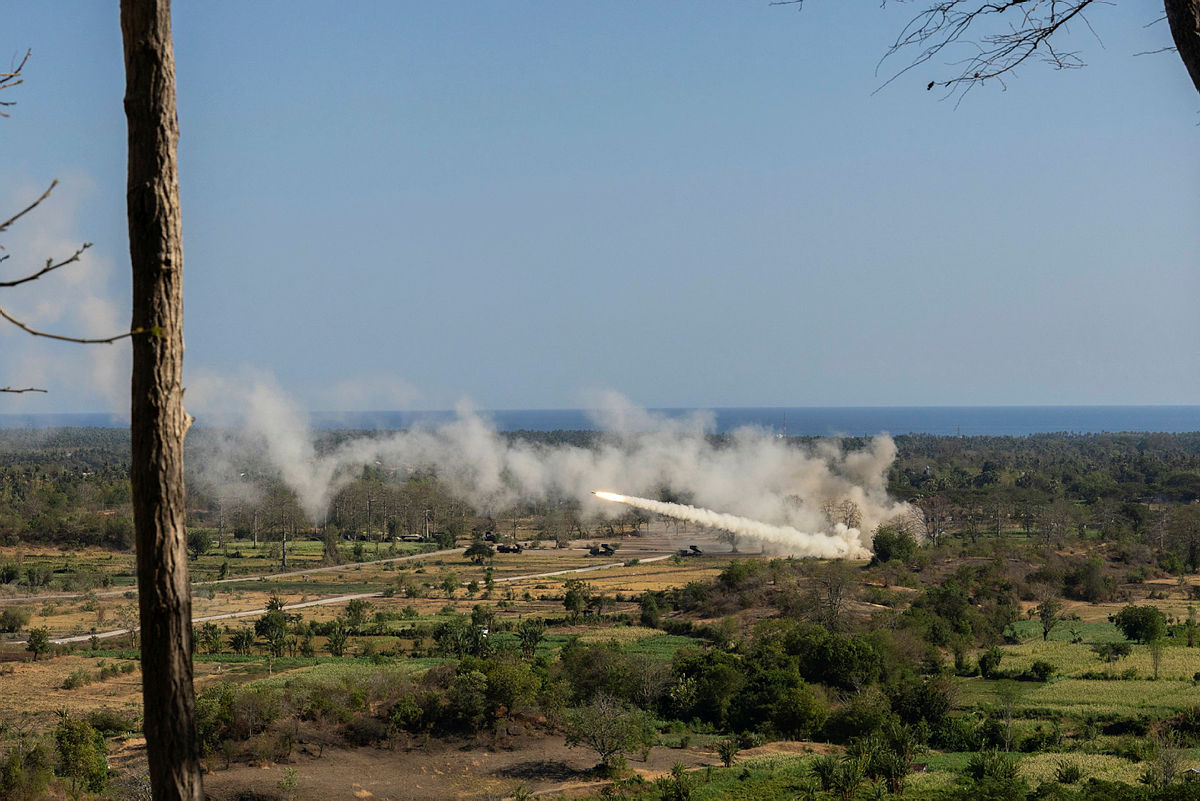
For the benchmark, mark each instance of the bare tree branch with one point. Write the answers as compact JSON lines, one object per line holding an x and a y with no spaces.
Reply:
{"x":61,"y":338}
{"x":51,"y":265}
{"x":1167,"y":49}
{"x":1027,"y":28}
{"x":4,"y":225}
{"x":11,"y":79}
{"x":7,"y":81}
{"x":1003,"y":34}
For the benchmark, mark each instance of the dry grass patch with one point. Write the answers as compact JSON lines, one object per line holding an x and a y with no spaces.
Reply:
{"x":1076,"y":659}
{"x":622,"y":635}
{"x":1133,"y":697}
{"x":1038,"y":768}
{"x":33,"y":691}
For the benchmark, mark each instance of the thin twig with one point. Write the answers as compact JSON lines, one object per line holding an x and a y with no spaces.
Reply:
{"x":4,"y":225}
{"x":51,"y":265}
{"x":1168,"y":49}
{"x":61,"y":338}
{"x":11,"y":79}
{"x":947,"y":22}
{"x":18,"y":391}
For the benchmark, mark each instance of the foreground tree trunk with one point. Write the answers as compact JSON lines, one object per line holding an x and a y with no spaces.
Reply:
{"x":158,"y":422}
{"x":1184,"y":18}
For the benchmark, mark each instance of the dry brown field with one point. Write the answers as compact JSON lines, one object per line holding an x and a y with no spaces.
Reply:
{"x":32,"y":693}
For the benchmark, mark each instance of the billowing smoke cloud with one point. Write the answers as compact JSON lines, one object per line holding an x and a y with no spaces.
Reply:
{"x":774,"y":490}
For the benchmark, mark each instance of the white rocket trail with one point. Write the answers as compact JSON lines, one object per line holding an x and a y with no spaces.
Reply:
{"x":843,"y":543}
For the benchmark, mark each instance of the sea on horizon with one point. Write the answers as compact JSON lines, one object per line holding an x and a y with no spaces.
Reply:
{"x":816,"y":421}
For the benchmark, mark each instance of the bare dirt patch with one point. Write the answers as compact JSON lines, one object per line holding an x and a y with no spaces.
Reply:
{"x":439,"y":771}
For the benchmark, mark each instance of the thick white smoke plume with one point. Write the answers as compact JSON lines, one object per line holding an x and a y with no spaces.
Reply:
{"x":752,"y":477}
{"x":837,"y":545}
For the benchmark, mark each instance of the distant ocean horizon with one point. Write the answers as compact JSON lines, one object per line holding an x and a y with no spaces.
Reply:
{"x":815,"y":421}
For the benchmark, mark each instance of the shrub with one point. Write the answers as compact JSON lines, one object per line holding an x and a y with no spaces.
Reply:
{"x":82,"y":755}
{"x":1042,"y":738}
{"x":1067,"y":772}
{"x":111,"y":722}
{"x":1111,"y":651}
{"x":989,"y":661}
{"x":366,"y":730}
{"x":1041,"y":670}
{"x":890,"y":543}
{"x":915,"y":701}
{"x":14,"y":618}
{"x":993,"y":765}
{"x":862,"y":715}
{"x":77,"y":678}
{"x":958,"y":733}
{"x":727,"y":750}
{"x":25,"y":772}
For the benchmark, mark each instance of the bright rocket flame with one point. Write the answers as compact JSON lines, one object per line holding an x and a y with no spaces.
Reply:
{"x":841,"y":543}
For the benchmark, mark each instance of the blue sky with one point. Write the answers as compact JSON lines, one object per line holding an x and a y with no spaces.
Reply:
{"x":400,"y":205}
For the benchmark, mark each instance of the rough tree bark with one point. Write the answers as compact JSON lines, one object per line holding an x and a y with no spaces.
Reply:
{"x":1184,"y":18}
{"x":158,"y":420}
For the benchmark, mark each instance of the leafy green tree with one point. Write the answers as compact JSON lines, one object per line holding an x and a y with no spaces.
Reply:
{"x":1086,"y":582}
{"x":650,"y":615}
{"x":82,"y":755}
{"x":479,"y":551}
{"x":483,"y":617}
{"x":242,"y":641}
{"x":336,"y":638}
{"x":914,"y":701}
{"x":118,"y":532}
{"x":1049,"y":612}
{"x":467,"y":699}
{"x":1111,"y":651}
{"x":1156,"y":646}
{"x":530,"y":631}
{"x":209,"y":638}
{"x":989,"y":661}
{"x":892,"y":543}
{"x":273,"y":628}
{"x":460,"y":637}
{"x":39,"y":641}
{"x":1141,"y":623}
{"x":25,"y":771}
{"x":199,"y":542}
{"x":356,"y":612}
{"x":719,"y":679}
{"x":14,"y":618}
{"x":576,"y":595}
{"x":611,"y":729}
{"x":512,"y":686}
